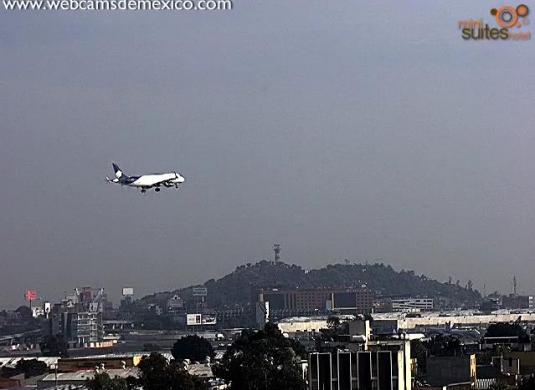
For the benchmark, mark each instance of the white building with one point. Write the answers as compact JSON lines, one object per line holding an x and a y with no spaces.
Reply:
{"x":411,"y":304}
{"x":307,"y":324}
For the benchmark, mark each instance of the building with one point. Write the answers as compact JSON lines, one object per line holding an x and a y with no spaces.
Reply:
{"x":401,"y":348}
{"x":363,"y":370}
{"x":525,"y":359}
{"x":363,"y":362}
{"x":518,"y":302}
{"x":284,"y":302}
{"x":436,"y":319}
{"x":199,"y":298}
{"x":412,"y":304}
{"x":81,"y":377}
{"x":90,"y":362}
{"x":175,"y":305}
{"x":447,"y":370}
{"x":15,"y":382}
{"x":261,"y":314}
{"x":78,"y":319}
{"x":80,"y":329}
{"x":307,"y":324}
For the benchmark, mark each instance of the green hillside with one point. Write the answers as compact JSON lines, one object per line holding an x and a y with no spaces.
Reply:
{"x":237,"y":287}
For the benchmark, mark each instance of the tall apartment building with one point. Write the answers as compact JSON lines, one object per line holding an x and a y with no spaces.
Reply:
{"x":363,"y":362}
{"x":78,"y":319}
{"x":362,"y":370}
{"x":81,"y":329}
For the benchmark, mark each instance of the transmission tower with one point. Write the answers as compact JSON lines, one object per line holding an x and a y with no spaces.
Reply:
{"x":277,"y":250}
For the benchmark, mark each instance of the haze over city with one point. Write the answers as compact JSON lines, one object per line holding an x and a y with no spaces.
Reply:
{"x":358,"y":130}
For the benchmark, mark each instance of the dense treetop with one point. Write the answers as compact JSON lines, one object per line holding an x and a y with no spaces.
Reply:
{"x":192,"y":347}
{"x":260,"y":360}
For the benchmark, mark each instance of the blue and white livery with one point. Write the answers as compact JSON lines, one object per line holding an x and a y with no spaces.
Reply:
{"x":146,"y":182}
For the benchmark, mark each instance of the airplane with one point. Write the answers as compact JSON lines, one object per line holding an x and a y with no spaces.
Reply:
{"x":145,"y":182}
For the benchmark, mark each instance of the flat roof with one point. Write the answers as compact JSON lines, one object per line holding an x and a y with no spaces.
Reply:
{"x":83,"y":375}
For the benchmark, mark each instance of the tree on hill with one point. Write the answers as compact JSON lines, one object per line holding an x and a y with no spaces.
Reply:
{"x":25,"y":312}
{"x":237,"y":287}
{"x":192,"y":347}
{"x":260,"y":360}
{"x":157,"y":373}
{"x":54,"y":346}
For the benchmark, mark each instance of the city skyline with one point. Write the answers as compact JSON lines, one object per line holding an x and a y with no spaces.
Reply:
{"x":339,"y":130}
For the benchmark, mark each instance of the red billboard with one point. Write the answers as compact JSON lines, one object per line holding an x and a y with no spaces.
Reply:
{"x":30,"y":295}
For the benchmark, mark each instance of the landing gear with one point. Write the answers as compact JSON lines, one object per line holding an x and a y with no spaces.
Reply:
{"x":143,"y":191}
{"x":157,"y":189}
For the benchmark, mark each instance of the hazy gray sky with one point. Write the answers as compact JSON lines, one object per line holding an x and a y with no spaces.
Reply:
{"x":340,"y":129}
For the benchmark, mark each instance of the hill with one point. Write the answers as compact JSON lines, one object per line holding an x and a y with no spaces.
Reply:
{"x":237,"y":287}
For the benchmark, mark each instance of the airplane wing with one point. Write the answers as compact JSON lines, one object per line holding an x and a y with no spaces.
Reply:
{"x":168,"y":183}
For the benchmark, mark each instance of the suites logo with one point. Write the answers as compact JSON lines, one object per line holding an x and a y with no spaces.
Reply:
{"x":512,"y":24}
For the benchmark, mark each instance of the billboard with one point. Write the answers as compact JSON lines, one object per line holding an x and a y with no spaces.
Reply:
{"x":200,"y":291}
{"x":344,"y":300}
{"x":128,"y":291}
{"x":208,"y":319}
{"x":194,"y":319}
{"x":30,"y":295}
{"x":200,"y":319}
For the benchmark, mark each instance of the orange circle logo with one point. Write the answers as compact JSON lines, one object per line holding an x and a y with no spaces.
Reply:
{"x":522,"y":10}
{"x":507,"y":16}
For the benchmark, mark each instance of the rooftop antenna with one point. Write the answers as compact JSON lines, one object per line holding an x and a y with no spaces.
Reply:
{"x":514,"y":285}
{"x":277,"y":250}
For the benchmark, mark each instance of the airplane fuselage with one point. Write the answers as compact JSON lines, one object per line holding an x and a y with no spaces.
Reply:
{"x":145,"y":182}
{"x":154,"y":178}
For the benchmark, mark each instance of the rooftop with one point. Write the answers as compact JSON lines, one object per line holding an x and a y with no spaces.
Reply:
{"x":83,"y":375}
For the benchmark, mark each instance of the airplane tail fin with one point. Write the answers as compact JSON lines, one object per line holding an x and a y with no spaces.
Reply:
{"x":117,"y":170}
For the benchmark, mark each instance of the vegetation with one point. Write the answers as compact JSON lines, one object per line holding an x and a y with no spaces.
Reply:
{"x":235,"y":288}
{"x":25,"y":312}
{"x":419,"y":352}
{"x":507,"y":330}
{"x":441,"y":345}
{"x":260,"y":360}
{"x":527,"y":383}
{"x":159,"y":374}
{"x":28,"y":367}
{"x":31,"y":367}
{"x":54,"y":346}
{"x":501,"y":386}
{"x":194,"y":348}
{"x":24,"y":323}
{"x":102,"y":381}
{"x":335,"y":329}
